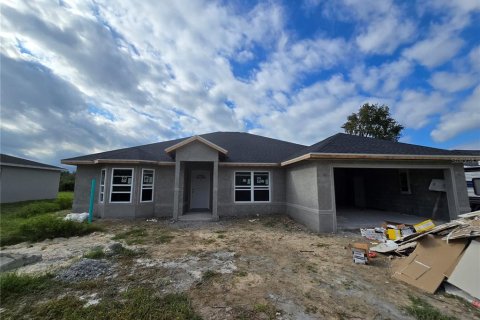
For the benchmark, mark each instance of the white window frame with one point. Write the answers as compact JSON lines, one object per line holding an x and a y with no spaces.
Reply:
{"x":122,"y":185}
{"x":407,"y":173}
{"x":101,"y":194}
{"x":148,"y":186}
{"x":252,"y":187}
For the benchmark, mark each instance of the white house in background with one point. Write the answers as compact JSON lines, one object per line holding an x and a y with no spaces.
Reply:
{"x":22,"y":180}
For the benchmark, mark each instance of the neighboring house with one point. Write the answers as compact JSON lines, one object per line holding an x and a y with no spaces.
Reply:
{"x":235,"y":174}
{"x":22,"y":180}
{"x":472,"y":176}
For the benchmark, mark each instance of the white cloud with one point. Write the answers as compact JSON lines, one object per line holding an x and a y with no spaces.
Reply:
{"x":466,"y":118}
{"x":452,"y":82}
{"x":415,"y":109}
{"x":435,"y":50}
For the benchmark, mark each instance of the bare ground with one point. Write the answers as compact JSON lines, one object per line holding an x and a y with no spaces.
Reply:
{"x":268,"y":267}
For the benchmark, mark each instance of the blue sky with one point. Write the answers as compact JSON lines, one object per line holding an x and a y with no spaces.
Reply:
{"x":79,"y":77}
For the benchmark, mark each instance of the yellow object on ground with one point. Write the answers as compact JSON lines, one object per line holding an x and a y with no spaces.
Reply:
{"x":393,"y":234}
{"x":424,"y":226}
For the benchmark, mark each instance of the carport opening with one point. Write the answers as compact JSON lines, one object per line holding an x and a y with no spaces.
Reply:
{"x":365,"y":197}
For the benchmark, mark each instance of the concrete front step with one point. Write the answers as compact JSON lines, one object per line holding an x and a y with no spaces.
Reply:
{"x":197,"y":217}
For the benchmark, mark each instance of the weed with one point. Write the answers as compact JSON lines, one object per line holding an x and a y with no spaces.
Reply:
{"x":221,"y":236}
{"x":95,"y":253}
{"x":312,"y":268}
{"x":13,"y":285}
{"x":135,"y":303}
{"x":134,"y":236}
{"x":422,"y":310}
{"x":220,"y":231}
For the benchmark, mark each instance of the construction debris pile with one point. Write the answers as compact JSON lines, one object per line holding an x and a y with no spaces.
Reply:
{"x":429,"y":255}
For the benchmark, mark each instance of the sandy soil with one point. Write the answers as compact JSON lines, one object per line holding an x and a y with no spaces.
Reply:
{"x":268,"y":264}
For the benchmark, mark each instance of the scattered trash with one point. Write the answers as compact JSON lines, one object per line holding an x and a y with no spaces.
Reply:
{"x":253,"y":220}
{"x":424,"y":226}
{"x":152,"y":220}
{"x":78,"y":217}
{"x":374,"y":234}
{"x":360,"y":252}
{"x":372,"y":254}
{"x":387,"y":246}
{"x":430,"y":254}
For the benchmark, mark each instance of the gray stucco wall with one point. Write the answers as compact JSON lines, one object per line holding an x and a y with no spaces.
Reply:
{"x":162,"y":205}
{"x":22,"y":184}
{"x":226,"y":198}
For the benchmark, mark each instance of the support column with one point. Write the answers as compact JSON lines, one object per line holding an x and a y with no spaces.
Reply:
{"x":215,"y":191}
{"x":450,"y":187}
{"x":176,"y":190}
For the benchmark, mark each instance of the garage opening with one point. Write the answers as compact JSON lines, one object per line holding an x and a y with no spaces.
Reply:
{"x":366,"y":197}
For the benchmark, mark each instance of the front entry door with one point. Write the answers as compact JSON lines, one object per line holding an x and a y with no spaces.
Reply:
{"x":200,"y":189}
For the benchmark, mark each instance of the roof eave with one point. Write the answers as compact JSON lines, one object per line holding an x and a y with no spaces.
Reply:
{"x":31,"y":167}
{"x":350,"y":156}
{"x":116,"y":161}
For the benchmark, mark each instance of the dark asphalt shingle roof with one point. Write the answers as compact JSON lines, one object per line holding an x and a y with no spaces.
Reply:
{"x":245,"y":147}
{"x":347,"y":143}
{"x":241,"y":147}
{"x":7,"y":159}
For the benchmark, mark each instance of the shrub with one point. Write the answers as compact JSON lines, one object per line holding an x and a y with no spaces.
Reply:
{"x":64,"y":203}
{"x":13,"y":285}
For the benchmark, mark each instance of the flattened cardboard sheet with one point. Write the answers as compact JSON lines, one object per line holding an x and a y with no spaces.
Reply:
{"x":427,"y":266}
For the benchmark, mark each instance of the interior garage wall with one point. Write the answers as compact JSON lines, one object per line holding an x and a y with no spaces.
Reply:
{"x":382,"y":191}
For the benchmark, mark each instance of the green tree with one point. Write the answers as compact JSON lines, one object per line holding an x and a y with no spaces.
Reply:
{"x":373,"y":121}
{"x":67,"y":181}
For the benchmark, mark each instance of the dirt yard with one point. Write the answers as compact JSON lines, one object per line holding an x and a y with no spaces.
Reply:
{"x":255,"y":268}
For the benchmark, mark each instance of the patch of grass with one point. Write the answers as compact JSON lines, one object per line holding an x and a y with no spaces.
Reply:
{"x":163,"y":238}
{"x":221,"y":236}
{"x":311,"y":309}
{"x":422,"y":310}
{"x":134,"y":236}
{"x":220,"y":231}
{"x":242,"y":273}
{"x":95,"y":253}
{"x":266,"y":308}
{"x":37,"y":221}
{"x":13,"y":286}
{"x":135,"y":303}
{"x":209,"y":274}
{"x":208,"y":241}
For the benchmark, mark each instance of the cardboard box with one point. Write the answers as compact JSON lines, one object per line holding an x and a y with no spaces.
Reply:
{"x":427,"y":266}
{"x":424,"y":226}
{"x":360,"y":252}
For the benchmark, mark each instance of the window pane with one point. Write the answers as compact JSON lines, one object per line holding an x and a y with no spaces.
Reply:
{"x":101,"y":197}
{"x":148,"y":177}
{"x":121,"y":188}
{"x":147,"y":195}
{"x":243,"y":195}
{"x":260,"y":178}
{"x":261,"y":195}
{"x":120,"y":197}
{"x":122,"y":176}
{"x":102,"y":178}
{"x":242,"y":179}
{"x":404,"y":181}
